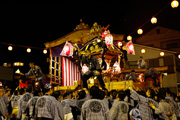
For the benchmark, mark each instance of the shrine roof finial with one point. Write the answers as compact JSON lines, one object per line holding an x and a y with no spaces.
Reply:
{"x":82,"y":26}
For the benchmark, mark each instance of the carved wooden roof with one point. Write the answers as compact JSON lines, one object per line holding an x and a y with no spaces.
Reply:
{"x":78,"y":36}
{"x":81,"y":35}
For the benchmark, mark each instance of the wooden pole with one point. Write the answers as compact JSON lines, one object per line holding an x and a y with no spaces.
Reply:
{"x":50,"y":66}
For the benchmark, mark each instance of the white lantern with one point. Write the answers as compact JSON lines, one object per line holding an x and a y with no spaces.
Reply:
{"x":45,"y":51}
{"x":143,"y":51}
{"x":129,"y":37}
{"x":29,"y":50}
{"x":174,"y":4}
{"x":109,"y":40}
{"x":161,"y":53}
{"x":84,"y":68}
{"x":10,"y":48}
{"x":153,"y":20}
{"x":179,"y":56}
{"x":117,"y":68}
{"x":140,"y":31}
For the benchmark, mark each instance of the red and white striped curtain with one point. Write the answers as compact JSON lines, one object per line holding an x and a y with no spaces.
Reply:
{"x":69,"y":72}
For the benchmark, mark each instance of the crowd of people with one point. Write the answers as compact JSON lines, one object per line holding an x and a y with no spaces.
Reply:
{"x":88,"y":104}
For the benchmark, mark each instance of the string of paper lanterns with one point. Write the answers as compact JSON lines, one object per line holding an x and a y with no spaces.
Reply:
{"x":10,"y":47}
{"x":153,"y":20}
{"x":143,"y":51}
{"x":174,"y":4}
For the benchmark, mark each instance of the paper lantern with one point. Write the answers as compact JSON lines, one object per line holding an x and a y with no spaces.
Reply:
{"x":45,"y":51}
{"x":103,"y":35}
{"x":67,"y":49}
{"x":84,"y":69}
{"x":143,"y":51}
{"x":161,"y":53}
{"x":129,"y":37}
{"x":109,"y":40}
{"x":174,"y":4}
{"x":117,"y":68}
{"x":153,"y":20}
{"x":179,"y":56}
{"x":140,"y":31}
{"x":10,"y":48}
{"x":130,"y":48}
{"x":29,"y":50}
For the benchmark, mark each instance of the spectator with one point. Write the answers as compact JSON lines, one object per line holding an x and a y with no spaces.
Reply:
{"x":164,"y":109}
{"x":82,"y":98}
{"x":46,"y":106}
{"x":120,"y":108}
{"x":3,"y":102}
{"x":145,"y":111}
{"x":152,"y":74}
{"x":95,"y":109}
{"x":141,"y":63}
{"x":169,"y":99}
{"x":113,"y":95}
{"x":14,"y":103}
{"x":177,"y":99}
{"x":23,"y":102}
{"x":56,"y":94}
{"x":132,"y":76}
{"x":67,"y":103}
{"x":30,"y":107}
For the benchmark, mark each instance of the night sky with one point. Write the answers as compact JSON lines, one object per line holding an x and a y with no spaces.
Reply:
{"x":33,"y":24}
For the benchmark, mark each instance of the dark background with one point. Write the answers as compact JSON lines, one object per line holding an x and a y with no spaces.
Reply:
{"x":35,"y":23}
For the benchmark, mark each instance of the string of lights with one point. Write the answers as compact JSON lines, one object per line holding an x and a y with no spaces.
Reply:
{"x":10,"y":47}
{"x":153,"y":20}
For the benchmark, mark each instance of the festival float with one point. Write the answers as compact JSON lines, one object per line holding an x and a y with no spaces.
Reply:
{"x":65,"y":69}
